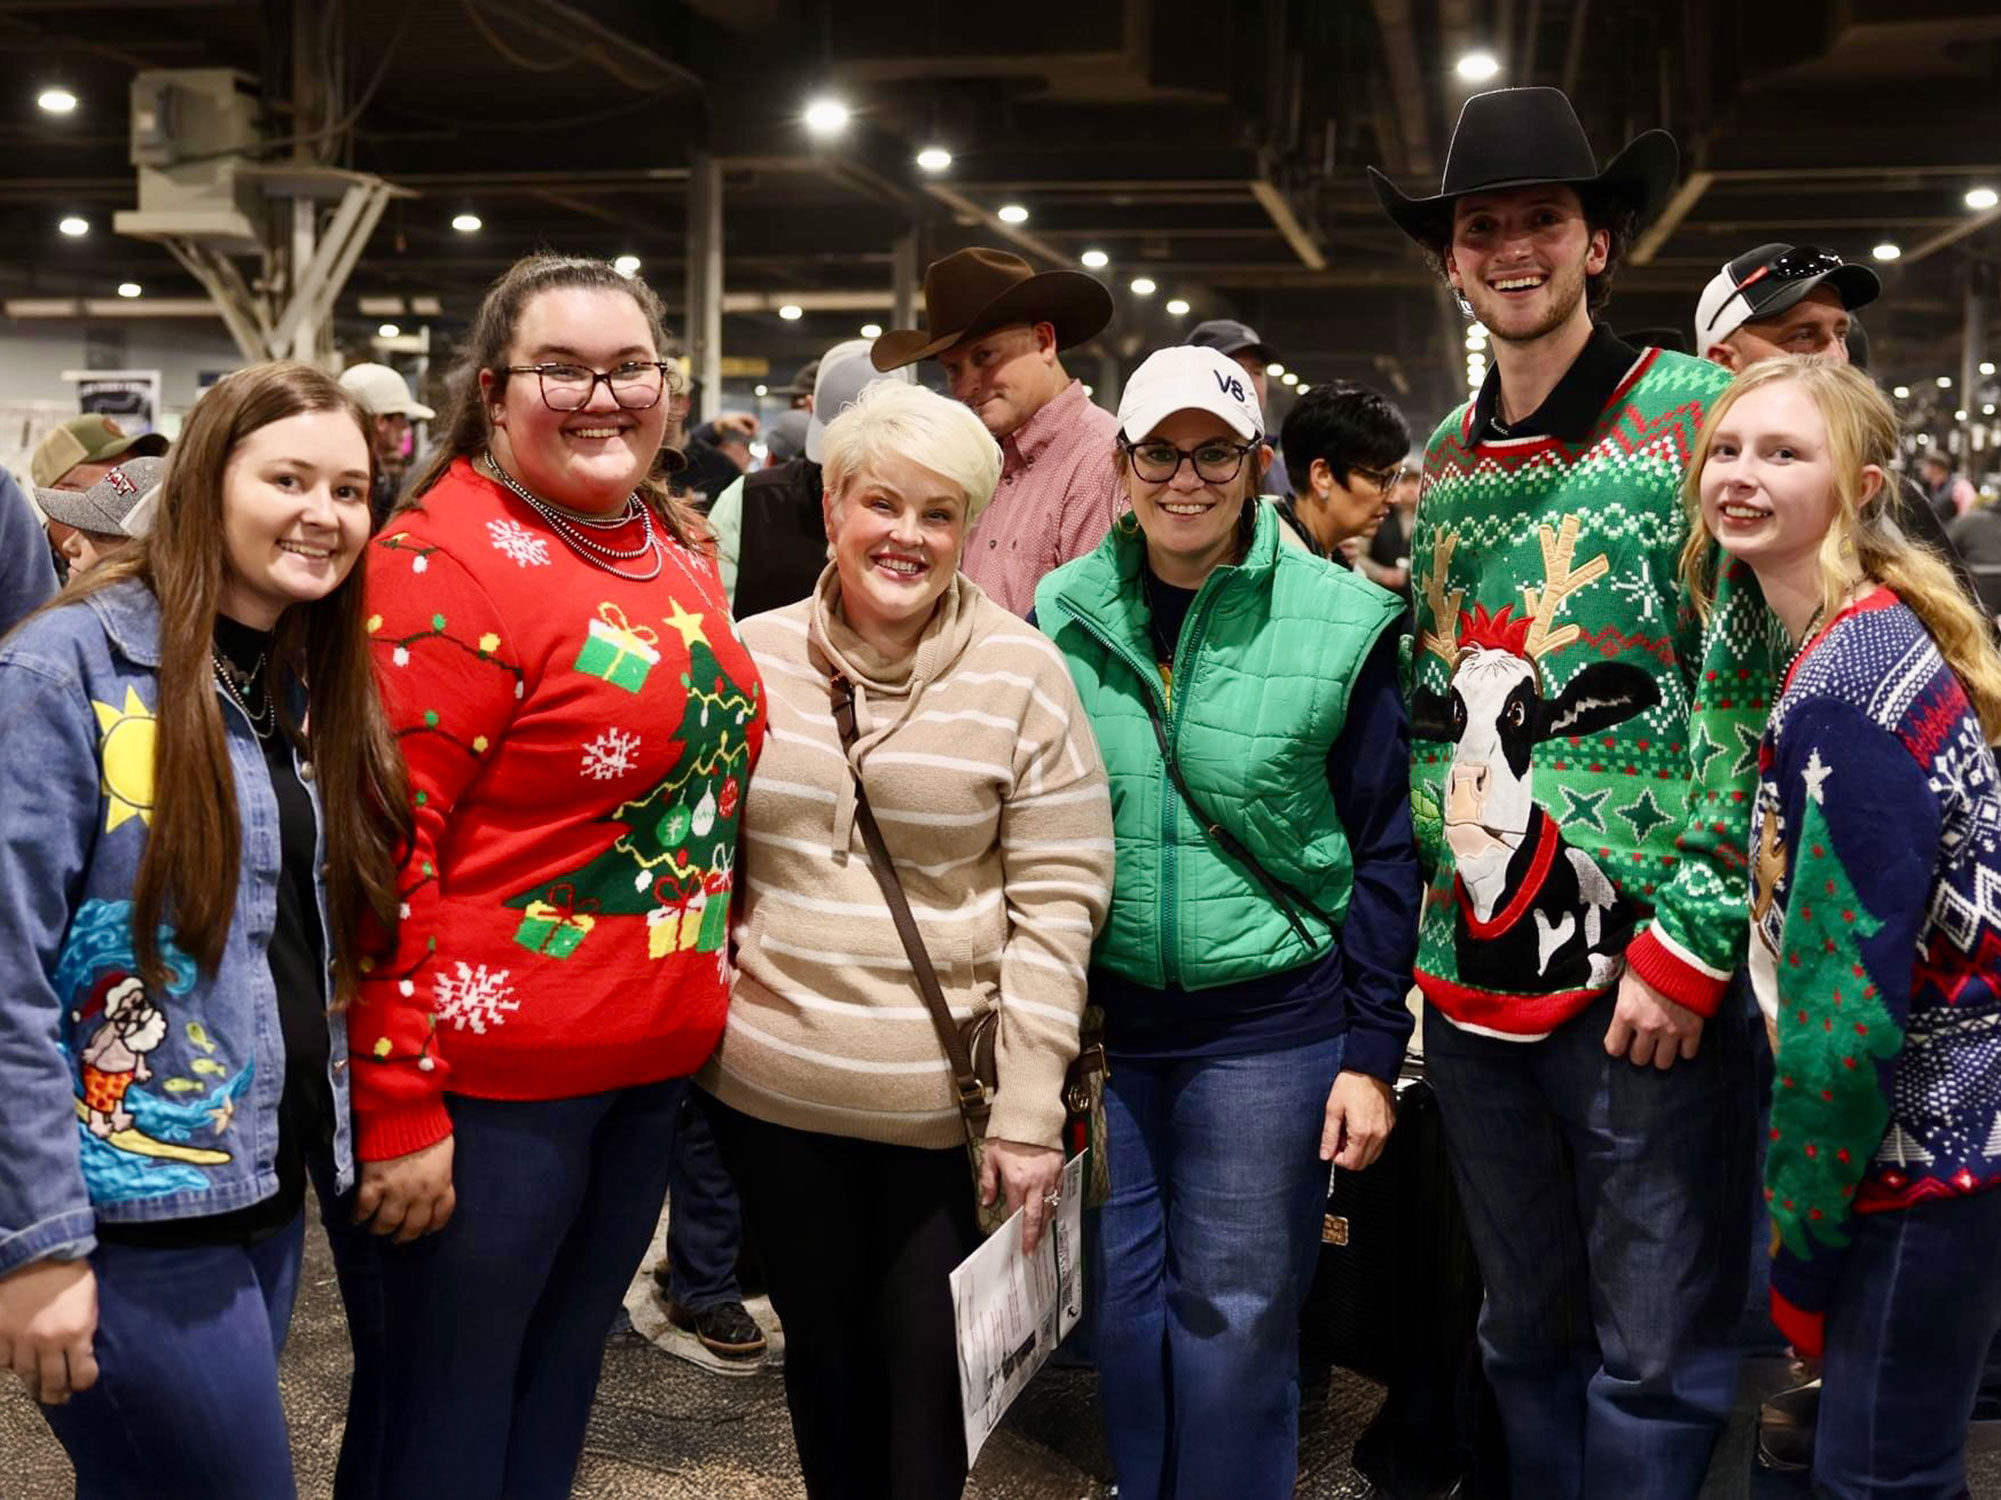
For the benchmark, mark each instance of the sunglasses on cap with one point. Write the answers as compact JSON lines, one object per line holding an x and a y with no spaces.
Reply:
{"x":1801,"y":263}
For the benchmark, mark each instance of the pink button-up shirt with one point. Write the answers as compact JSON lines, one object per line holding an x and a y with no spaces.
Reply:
{"x":1057,"y":497}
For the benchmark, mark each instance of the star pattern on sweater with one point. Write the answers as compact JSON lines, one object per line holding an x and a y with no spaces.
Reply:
{"x":1815,"y":775}
{"x":689,"y":626}
{"x":1644,"y":814}
{"x":1585,"y":808}
{"x":1702,"y":750}
{"x":1747,"y":748}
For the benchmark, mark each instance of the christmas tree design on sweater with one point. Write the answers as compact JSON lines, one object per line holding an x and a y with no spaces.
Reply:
{"x":1876,"y":945}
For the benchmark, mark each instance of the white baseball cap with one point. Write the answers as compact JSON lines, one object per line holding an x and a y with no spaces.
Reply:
{"x":383,"y":392}
{"x":1189,"y":377}
{"x":845,"y":372}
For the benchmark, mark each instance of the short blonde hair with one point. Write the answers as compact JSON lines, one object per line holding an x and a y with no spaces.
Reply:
{"x":908,"y":421}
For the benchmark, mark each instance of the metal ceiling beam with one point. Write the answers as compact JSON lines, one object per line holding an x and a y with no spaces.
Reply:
{"x":1393,"y":21}
{"x":1277,"y":203}
{"x":1973,"y":225}
{"x":1014,"y":234}
{"x":564,"y":26}
{"x":1685,"y":198}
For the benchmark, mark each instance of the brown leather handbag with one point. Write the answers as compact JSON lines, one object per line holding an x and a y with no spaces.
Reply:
{"x":969,"y":1048}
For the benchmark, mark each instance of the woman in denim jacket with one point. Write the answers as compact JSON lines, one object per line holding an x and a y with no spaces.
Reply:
{"x":172,"y":1052}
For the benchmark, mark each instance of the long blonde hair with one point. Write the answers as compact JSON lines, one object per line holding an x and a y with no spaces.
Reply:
{"x":1863,"y":541}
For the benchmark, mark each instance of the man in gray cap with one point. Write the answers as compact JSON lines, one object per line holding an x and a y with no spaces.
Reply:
{"x":771,"y":543}
{"x":385,"y":395}
{"x":94,"y":519}
{"x":1240,"y":342}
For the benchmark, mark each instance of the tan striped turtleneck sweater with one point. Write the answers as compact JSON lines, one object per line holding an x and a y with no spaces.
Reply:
{"x":984,"y":775}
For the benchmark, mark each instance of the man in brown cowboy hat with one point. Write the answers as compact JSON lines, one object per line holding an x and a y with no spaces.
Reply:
{"x":997,"y":326}
{"x":1582,"y":789}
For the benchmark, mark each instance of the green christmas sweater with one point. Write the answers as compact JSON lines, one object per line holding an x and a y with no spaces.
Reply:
{"x":1584,"y":748}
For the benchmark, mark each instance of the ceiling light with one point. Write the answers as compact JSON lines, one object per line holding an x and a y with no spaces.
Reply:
{"x":389,"y":331}
{"x":760,"y":390}
{"x":129,"y":289}
{"x":1478,"y":67}
{"x":1012,"y":213}
{"x":871,"y":330}
{"x":1888,"y":250}
{"x":1142,"y":286}
{"x":626,"y":265}
{"x":56,"y":101}
{"x":1945,"y":382}
{"x":1902,"y":393}
{"x":1275,"y":370}
{"x":1178,"y":306}
{"x":1087,"y":391}
{"x":791,"y":312}
{"x":827,"y":117}
{"x":934,"y":158}
{"x":1960,"y":415}
{"x":74,"y":227}
{"x":1982,"y":197}
{"x":1987,"y":409}
{"x":1288,"y":378}
{"x":1479,"y":328}
{"x":1302,"y":388}
{"x":1476,"y":341}
{"x":1095,"y":260}
{"x":466,"y":223}
{"x":1987,"y":367}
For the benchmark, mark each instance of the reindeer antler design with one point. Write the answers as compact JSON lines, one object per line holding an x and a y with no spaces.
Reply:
{"x":1559,"y":582}
{"x":1442,"y":639}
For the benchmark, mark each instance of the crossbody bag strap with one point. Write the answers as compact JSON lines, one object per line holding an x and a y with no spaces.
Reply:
{"x":1289,"y":900}
{"x":972,"y":1094}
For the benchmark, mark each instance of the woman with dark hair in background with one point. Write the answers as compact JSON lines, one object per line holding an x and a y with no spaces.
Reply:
{"x":173,"y":1046}
{"x":579,"y":720}
{"x":1344,"y":448}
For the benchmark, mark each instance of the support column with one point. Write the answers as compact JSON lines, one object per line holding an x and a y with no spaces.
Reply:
{"x":311,"y":112}
{"x":1971,"y":353}
{"x":704,"y":331}
{"x":1105,"y":389}
{"x":903,"y":280}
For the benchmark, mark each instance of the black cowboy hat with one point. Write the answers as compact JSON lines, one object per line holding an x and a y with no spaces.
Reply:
{"x":1512,"y":138}
{"x":976,"y":291}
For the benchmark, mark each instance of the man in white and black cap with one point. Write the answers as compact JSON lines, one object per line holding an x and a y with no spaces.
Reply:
{"x":1781,"y":299}
{"x":385,"y":395}
{"x":771,"y":542}
{"x":1241,"y":343}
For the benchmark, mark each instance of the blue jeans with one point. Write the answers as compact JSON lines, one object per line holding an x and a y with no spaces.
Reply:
{"x":1908,"y":1329}
{"x":1207,"y":1247}
{"x":358,"y":1271}
{"x":495,"y":1325}
{"x":186,"y":1400}
{"x":1609,"y":1205}
{"x":704,"y":1223}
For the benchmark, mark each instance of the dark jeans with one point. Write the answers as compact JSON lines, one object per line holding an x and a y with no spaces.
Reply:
{"x":186,"y":1401}
{"x":858,"y":1242}
{"x":1908,"y":1329}
{"x":704,"y":1221}
{"x":358,"y":1272}
{"x":1609,"y":1205}
{"x":1206,"y":1250}
{"x":495,"y":1325}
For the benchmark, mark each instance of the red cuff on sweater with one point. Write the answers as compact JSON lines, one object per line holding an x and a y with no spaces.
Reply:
{"x":383,"y":1135}
{"x":1805,"y":1331}
{"x":1671,"y":972}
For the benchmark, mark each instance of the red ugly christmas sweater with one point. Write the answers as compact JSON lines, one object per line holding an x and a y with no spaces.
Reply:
{"x":578,"y":745}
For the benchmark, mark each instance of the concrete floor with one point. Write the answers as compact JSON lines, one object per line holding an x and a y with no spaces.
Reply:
{"x":667,"y":1430}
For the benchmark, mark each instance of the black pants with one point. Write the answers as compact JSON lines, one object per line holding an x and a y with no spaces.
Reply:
{"x":859,"y":1241}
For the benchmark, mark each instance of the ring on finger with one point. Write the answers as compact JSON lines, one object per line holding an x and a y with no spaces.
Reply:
{"x":1054,"y":1200}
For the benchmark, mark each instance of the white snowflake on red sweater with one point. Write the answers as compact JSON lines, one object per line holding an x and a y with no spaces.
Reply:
{"x":474,"y":998}
{"x":611,"y":755}
{"x":519,"y":543}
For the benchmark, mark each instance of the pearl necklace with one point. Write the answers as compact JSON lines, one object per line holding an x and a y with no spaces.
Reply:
{"x":569,"y":527}
{"x":262,"y":725}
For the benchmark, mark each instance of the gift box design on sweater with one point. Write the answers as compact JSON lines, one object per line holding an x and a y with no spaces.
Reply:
{"x":671,"y":859}
{"x":621,"y":653}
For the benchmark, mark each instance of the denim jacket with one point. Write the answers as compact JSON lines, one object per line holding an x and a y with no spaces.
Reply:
{"x":119,"y":1103}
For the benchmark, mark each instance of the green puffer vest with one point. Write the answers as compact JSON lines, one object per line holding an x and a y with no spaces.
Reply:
{"x":1263,"y":670}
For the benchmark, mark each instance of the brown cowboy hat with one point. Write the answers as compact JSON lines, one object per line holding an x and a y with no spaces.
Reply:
{"x":976,"y":291}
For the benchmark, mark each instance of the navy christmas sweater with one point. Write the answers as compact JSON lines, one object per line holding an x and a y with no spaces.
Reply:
{"x":1875,"y":944}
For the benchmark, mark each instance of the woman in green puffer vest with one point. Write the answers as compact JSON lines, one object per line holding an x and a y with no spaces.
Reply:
{"x":1264,"y":920}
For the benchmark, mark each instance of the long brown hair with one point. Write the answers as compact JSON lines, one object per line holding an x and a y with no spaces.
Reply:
{"x":188,"y":869}
{"x":1863,"y":540}
{"x":465,"y":426}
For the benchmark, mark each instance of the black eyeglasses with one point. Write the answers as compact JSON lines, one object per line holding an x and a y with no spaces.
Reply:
{"x":635,"y":385}
{"x":1383,"y":479}
{"x":1797,"y":264}
{"x":1215,"y":463}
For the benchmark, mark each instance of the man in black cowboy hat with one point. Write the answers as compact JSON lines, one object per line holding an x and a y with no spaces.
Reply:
{"x":1583,"y":814}
{"x":997,"y":328}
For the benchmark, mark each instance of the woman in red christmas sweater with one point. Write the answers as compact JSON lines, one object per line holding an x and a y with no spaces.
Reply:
{"x":579,"y":719}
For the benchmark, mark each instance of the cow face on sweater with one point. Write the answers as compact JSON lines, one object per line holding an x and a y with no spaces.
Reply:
{"x":1495,"y":712}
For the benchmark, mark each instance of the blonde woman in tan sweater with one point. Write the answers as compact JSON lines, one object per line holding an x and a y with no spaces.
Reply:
{"x":830,"y":1093}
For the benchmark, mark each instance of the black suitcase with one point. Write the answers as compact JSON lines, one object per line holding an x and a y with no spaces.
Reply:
{"x":1397,"y":1299}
